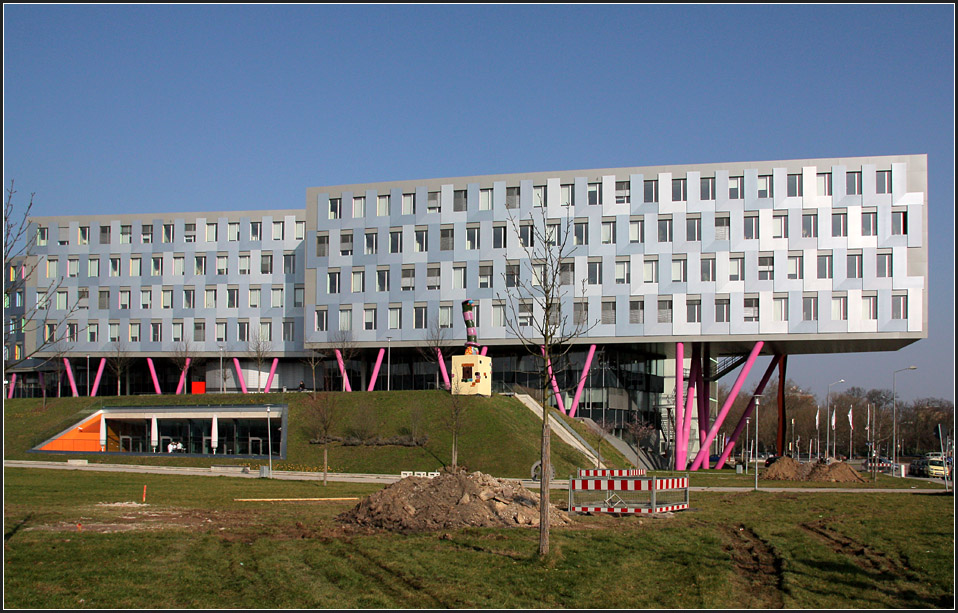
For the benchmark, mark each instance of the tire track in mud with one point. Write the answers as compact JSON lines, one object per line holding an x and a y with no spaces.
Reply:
{"x":759,"y":568}
{"x":405,"y":589}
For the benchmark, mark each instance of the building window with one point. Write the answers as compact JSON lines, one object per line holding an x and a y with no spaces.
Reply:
{"x":884,"y":265}
{"x":780,"y":308}
{"x":595,"y":272}
{"x":156,"y":265}
{"x":382,"y":280}
{"x":395,"y":317}
{"x":409,"y":204}
{"x":395,"y":241}
{"x":824,"y":266}
{"x":371,"y":244}
{"x":254,"y":297}
{"x":346,"y":243}
{"x":809,"y":225}
{"x":83,"y":236}
{"x":765,"y":186}
{"x":300,"y":230}
{"x":277,"y":297}
{"x":679,"y":270}
{"x":839,"y":224}
{"x":594,"y":193}
{"x":664,"y":312}
{"x":651,"y":191}
{"x":420,"y":316}
{"x":608,"y":232}
{"x":382,"y":205}
{"x":345,"y":318}
{"x":636,"y":230}
{"x":793,"y":184}
{"x":680,"y":191}
{"x":854,"y":266}
{"x":512,"y":197}
{"x":693,"y":229}
{"x":485,"y":276}
{"x":736,"y":268}
{"x":722,"y":227}
{"x":211,"y":232}
{"x":809,"y":308}
{"x":445,"y":316}
{"x":824,"y":183}
{"x":869,"y":223}
{"x":432,"y":202}
{"x":623,"y":192}
{"x":105,"y":235}
{"x":693,"y":311}
{"x":899,"y":306}
{"x":623,"y":272}
{"x":359,"y":207}
{"x":780,"y":225}
{"x":447,"y":239}
{"x":335,"y":209}
{"x":512,"y":275}
{"x":766,"y":268}
{"x":883,"y":182}
{"x":566,"y":195}
{"x":266,"y":263}
{"x":707,"y":188}
{"x":43,"y":236}
{"x":839,"y":308}
{"x":581,"y":233}
{"x":899,"y":223}
{"x":458,"y":277}
{"x":608,"y":312}
{"x":736,"y":189}
{"x":870,"y":307}
{"x":322,"y":245}
{"x":332,"y":282}
{"x":222,"y":265}
{"x":408,"y":282}
{"x":485,"y":199}
{"x":795,"y":266}
{"x":751,"y":227}
{"x":199,"y":265}
{"x":432,"y":276}
{"x":498,"y":315}
{"x":321,"y":320}
{"x":146,"y":298}
{"x":369,"y":318}
{"x":853,"y":183}
{"x":135,"y":332}
{"x":220,"y":331}
{"x":472,"y":238}
{"x":210,"y":298}
{"x":708,"y":269}
{"x":750,"y":310}
{"x":498,"y":237}
{"x":665,"y":230}
{"x":256,"y":230}
{"x":266,"y":330}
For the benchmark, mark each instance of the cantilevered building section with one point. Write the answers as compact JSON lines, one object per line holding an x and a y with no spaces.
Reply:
{"x":700,"y":261}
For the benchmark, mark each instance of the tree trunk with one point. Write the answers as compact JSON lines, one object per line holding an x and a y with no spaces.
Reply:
{"x":325,"y":459}
{"x":455,"y":450}
{"x":544,"y":483}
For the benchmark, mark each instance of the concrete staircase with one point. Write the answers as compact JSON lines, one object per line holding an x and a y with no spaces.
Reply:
{"x":563,"y":431}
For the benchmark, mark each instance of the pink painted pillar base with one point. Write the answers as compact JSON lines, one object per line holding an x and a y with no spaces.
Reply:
{"x":582,"y":378}
{"x":379,"y":362}
{"x":442,"y":369}
{"x":239,"y":375}
{"x":73,"y":384}
{"x":180,"y":385}
{"x":272,"y":371}
{"x":96,"y":381}
{"x":342,"y":370}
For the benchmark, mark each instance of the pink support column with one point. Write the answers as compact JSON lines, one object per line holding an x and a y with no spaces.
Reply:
{"x":730,"y":444}
{"x":272,"y":371}
{"x":99,"y":373}
{"x":555,"y":385}
{"x":13,"y":384}
{"x":379,"y":362}
{"x":239,"y":375}
{"x":679,"y":385}
{"x":73,"y":384}
{"x":179,"y":386}
{"x":682,"y":435}
{"x":582,"y":378}
{"x":342,"y":370}
{"x":703,"y":453}
{"x":442,"y":368}
{"x":156,"y":382}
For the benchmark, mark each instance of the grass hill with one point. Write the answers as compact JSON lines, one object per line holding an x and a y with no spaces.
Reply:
{"x":500,"y":436}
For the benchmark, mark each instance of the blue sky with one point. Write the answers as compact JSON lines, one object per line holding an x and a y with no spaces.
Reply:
{"x":205,"y":108}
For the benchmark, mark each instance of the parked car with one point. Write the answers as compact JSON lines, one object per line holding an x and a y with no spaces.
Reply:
{"x":918,"y":468}
{"x":938,"y":468}
{"x":771,"y":460}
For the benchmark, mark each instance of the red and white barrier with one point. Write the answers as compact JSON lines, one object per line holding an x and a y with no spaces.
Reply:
{"x":630,"y":485}
{"x":610,"y":500}
{"x":611,"y":472}
{"x":665,"y":509}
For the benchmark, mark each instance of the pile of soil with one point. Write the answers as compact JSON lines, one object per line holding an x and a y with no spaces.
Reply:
{"x":787,"y":469}
{"x":451,"y":500}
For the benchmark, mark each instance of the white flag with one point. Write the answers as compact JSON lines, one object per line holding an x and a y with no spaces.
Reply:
{"x":834,"y":413}
{"x":817,"y":412}
{"x":868,"y":418}
{"x":850,"y":425}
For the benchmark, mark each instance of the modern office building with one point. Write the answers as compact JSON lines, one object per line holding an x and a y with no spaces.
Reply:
{"x":805,"y":256}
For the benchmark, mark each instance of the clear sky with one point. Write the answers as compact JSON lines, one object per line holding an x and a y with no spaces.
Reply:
{"x":206,"y":108}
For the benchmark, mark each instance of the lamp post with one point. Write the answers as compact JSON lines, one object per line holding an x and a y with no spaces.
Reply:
{"x":828,"y":412}
{"x":745,"y":454}
{"x":793,"y":437}
{"x":269,"y":440}
{"x":88,"y":375}
{"x":894,"y":419}
{"x":222,"y":378}
{"x":756,"y":443}
{"x":389,"y":362}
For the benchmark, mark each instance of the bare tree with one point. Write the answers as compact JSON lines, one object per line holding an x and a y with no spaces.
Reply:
{"x":184,"y":354}
{"x":316,"y":358}
{"x":42,"y":321}
{"x":455,"y":419}
{"x":535,"y":316}
{"x":259,"y":347}
{"x":119,"y":361}
{"x":342,"y":340}
{"x":321,"y":415}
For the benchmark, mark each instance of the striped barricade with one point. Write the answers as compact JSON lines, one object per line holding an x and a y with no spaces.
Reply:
{"x":611,"y":472}
{"x":629,"y":494}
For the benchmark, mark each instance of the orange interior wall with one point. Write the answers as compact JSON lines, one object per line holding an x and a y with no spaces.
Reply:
{"x":86,"y":437}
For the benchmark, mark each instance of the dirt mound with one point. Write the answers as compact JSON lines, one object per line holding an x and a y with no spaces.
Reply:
{"x":838,"y":472}
{"x":787,"y":469}
{"x":451,"y":500}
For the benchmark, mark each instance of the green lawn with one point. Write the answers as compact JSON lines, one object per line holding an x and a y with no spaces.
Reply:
{"x":195,"y":546}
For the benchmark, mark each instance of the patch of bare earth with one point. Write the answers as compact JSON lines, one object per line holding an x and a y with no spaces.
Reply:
{"x":787,"y":469}
{"x":758,"y":568}
{"x":451,"y":500}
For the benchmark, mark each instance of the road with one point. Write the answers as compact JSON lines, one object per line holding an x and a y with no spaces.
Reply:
{"x":909,"y":485}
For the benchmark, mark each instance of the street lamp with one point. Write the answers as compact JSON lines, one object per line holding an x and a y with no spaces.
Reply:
{"x":894,"y":419}
{"x":269,"y":440}
{"x":88,"y":374}
{"x":389,"y":362}
{"x":828,"y":411}
{"x":756,"y":443}
{"x":222,"y":378}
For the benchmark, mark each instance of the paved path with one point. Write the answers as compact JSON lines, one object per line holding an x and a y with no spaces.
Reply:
{"x":558,"y":484}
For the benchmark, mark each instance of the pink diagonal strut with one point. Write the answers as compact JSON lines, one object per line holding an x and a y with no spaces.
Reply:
{"x":73,"y":384}
{"x":239,"y":375}
{"x":585,"y":373}
{"x":682,"y":436}
{"x":730,"y":444}
{"x":484,"y":349}
{"x":272,"y":371}
{"x":442,"y":368}
{"x":342,"y":370}
{"x":13,"y":384}
{"x":379,"y":362}
{"x":703,"y":453}
{"x":99,"y":373}
{"x":555,"y":385}
{"x":156,"y":382}
{"x":179,"y":386}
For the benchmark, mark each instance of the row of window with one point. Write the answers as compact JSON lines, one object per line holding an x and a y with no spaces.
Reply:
{"x":135,"y":268}
{"x":168,"y":233}
{"x":245,"y":331}
{"x":150,"y":298}
{"x":356,"y":207}
{"x":608,"y":234}
{"x":664,"y":314}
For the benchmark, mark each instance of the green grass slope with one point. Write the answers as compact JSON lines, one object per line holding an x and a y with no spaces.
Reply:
{"x":499,"y":437}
